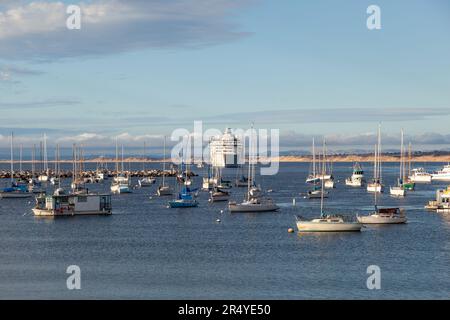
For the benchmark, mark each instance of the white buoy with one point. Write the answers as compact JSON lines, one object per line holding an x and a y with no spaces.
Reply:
{"x":293,"y":202}
{"x":217,"y":220}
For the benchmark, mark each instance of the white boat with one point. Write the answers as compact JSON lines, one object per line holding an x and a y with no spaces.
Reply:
{"x":419,"y":175}
{"x":60,"y":204}
{"x":399,"y":190}
{"x":376,"y":185}
{"x":357,"y":178}
{"x":384,"y":216}
{"x":218,"y":195}
{"x":146,"y":182}
{"x":313,"y":177}
{"x":442,"y":175}
{"x":119,"y":188}
{"x":329,"y":184}
{"x":164,"y":190}
{"x":121,"y":183}
{"x":255,"y":201}
{"x":326,"y":223}
{"x":254,"y":205}
{"x":442,"y":200}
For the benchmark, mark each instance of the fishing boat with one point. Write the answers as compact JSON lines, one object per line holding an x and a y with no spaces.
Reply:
{"x":399,"y":190}
{"x":442,"y":200}
{"x":61,"y":204}
{"x":164,"y":190}
{"x":419,"y":175}
{"x":327,"y":222}
{"x":255,"y":200}
{"x":121,"y":182}
{"x":442,"y":175}
{"x":15,"y":190}
{"x":376,"y":185}
{"x":357,"y":178}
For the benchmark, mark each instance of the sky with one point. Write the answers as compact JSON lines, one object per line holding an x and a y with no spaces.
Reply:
{"x":141,"y":69}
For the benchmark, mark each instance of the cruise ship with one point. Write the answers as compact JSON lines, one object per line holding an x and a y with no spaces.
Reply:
{"x":225,"y":150}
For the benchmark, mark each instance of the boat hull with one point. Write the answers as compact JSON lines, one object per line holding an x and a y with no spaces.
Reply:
{"x":55,"y":213}
{"x":183,"y":204}
{"x":241,"y":207}
{"x":373,"y":219}
{"x":397,"y":192}
{"x":310,"y":226}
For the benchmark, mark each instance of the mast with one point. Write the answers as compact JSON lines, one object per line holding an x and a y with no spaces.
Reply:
{"x":45,"y":155}
{"x":409,"y":159}
{"x":12,"y":158}
{"x":402,"y":160}
{"x":143,"y":157}
{"x":379,"y":155}
{"x":20,"y":158}
{"x":33,"y":159}
{"x":164,"y":162}
{"x":314,"y":158}
{"x":250,"y":171}
{"x":322,"y":180}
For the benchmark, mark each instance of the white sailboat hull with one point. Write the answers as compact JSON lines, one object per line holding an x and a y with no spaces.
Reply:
{"x":397,"y":192}
{"x":353,"y":182}
{"x":313,"y":226}
{"x":375,"y":188}
{"x":250,"y":207}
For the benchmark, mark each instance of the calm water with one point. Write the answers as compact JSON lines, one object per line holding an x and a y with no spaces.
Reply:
{"x":145,"y":250}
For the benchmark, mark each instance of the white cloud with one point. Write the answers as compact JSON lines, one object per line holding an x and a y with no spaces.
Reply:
{"x":38,"y":29}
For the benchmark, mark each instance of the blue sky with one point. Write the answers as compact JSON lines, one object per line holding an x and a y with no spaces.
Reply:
{"x":305,"y":67}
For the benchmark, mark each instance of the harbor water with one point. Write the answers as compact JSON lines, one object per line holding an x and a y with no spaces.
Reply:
{"x":145,"y":250}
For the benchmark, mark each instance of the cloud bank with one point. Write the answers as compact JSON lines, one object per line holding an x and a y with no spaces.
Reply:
{"x":37,"y":30}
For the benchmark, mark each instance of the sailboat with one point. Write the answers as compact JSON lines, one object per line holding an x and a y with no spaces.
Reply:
{"x":34,"y":185}
{"x":383,"y":215}
{"x":45,"y":176}
{"x":312,"y":177}
{"x":377,"y":185}
{"x":326,"y":222}
{"x":164,"y":190}
{"x":15,"y":190}
{"x":78,"y":185}
{"x":218,"y":193}
{"x":409,"y":184}
{"x":146,"y":181}
{"x":184,"y":199}
{"x":327,"y":169}
{"x":317,"y":192}
{"x":255,"y":201}
{"x":357,"y":178}
{"x":398,"y":190}
{"x":121,"y":182}
{"x":55,"y":180}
